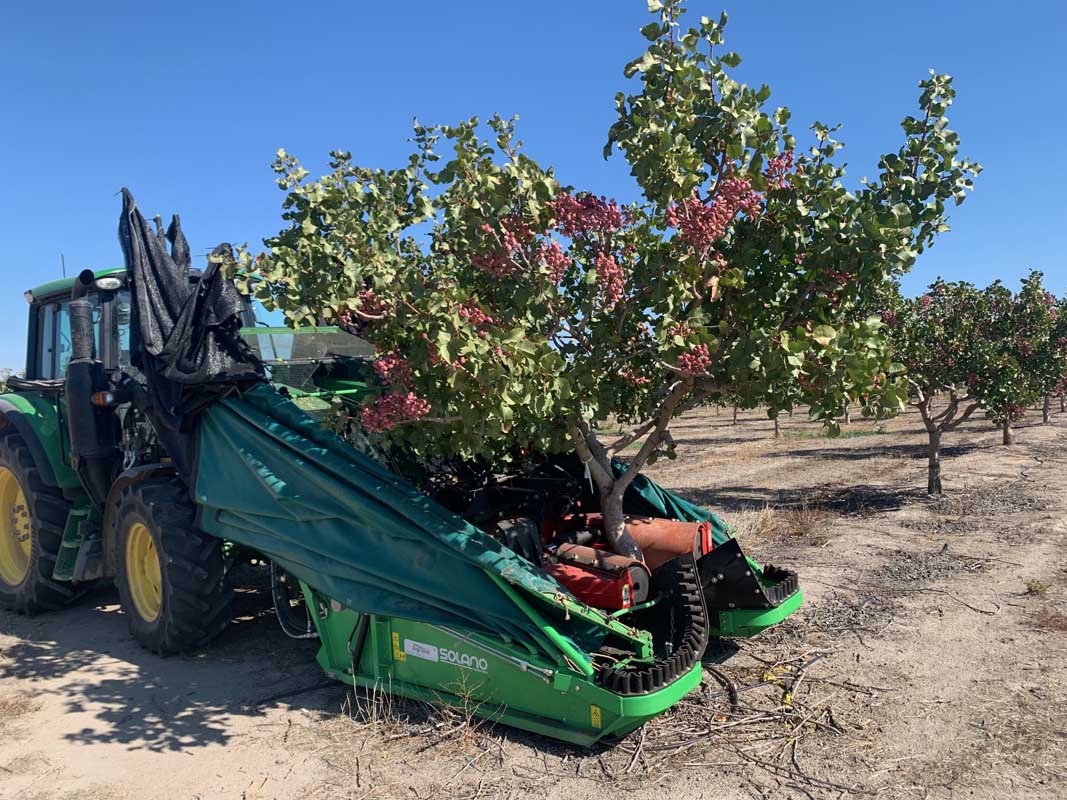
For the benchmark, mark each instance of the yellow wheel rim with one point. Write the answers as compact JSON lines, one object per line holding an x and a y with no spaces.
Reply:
{"x":16,"y":530}
{"x":143,"y":573}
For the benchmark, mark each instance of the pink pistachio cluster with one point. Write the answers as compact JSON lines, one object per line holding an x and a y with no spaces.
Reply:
{"x":496,"y":264}
{"x":585,"y":213}
{"x":474,"y":315}
{"x":778,"y":168}
{"x":610,"y":278}
{"x":393,"y":368}
{"x":680,"y":329}
{"x":634,"y":378}
{"x":700,"y":224}
{"x":366,"y":302}
{"x":695,"y":362}
{"x":1015,"y":412}
{"x":393,"y":409}
{"x":839,"y":278}
{"x":500,"y":262}
{"x":553,"y":257}
{"x":889,"y":318}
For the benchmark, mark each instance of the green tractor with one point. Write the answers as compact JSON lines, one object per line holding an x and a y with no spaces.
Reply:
{"x":160,"y":432}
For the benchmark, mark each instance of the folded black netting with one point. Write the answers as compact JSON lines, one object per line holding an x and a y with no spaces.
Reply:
{"x":185,"y":331}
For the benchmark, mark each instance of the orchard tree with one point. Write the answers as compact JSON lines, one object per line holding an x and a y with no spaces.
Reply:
{"x":1051,"y":356}
{"x":512,"y":312}
{"x":1026,"y":351}
{"x":941,"y":339}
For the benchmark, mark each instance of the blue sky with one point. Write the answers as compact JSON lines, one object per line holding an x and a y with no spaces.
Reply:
{"x":186,"y":103}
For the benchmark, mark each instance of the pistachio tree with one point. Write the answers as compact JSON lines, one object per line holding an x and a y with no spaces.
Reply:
{"x":940,"y":337}
{"x":513,"y":312}
{"x":1027,"y":348}
{"x":1051,"y":356}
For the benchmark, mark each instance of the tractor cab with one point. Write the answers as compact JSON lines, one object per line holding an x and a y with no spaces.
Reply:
{"x":311,"y":364}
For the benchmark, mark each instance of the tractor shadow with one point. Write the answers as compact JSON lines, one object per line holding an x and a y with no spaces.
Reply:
{"x":114,"y":691}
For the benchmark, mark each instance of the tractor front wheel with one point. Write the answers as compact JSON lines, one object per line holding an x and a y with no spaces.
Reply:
{"x":173,"y":578}
{"x":32,"y":516}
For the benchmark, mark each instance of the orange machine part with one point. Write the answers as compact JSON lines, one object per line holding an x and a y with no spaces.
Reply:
{"x":663,"y":539}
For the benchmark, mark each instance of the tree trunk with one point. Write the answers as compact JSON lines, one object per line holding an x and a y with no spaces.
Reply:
{"x":1045,"y":409}
{"x":933,"y":477}
{"x":1063,"y":404}
{"x":848,"y":415}
{"x":777,"y":430}
{"x":1009,"y":437}
{"x":615,"y":525}
{"x":735,"y":415}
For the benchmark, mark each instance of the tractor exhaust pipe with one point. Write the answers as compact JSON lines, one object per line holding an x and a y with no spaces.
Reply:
{"x":92,"y":431}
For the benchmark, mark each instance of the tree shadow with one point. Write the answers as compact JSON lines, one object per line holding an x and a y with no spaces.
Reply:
{"x":86,"y":656}
{"x":858,"y":500}
{"x":903,"y":451}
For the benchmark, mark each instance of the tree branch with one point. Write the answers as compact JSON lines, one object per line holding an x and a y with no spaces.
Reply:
{"x":601,"y":476}
{"x":663,"y":420}
{"x":963,"y":417}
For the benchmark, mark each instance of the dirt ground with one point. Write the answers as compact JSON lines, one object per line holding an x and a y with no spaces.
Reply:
{"x":928,"y":660}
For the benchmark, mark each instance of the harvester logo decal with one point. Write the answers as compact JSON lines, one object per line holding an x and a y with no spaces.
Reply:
{"x":420,"y":650}
{"x":464,"y":660}
{"x":442,"y":655}
{"x":594,"y":716}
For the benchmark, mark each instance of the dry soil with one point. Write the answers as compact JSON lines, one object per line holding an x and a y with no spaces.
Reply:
{"x":928,"y":660}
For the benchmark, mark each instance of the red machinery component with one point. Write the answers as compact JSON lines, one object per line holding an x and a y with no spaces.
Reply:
{"x":663,"y":539}
{"x":598,"y":578}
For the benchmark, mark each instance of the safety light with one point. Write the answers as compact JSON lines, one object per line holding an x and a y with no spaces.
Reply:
{"x":108,"y":284}
{"x":102,"y":399}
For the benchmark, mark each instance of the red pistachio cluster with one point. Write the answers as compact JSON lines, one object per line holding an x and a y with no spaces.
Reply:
{"x":634,"y":378}
{"x":583,"y":214}
{"x":393,"y":409}
{"x":696,"y":362}
{"x":610,"y":278}
{"x":778,"y":168}
{"x":701,"y":224}
{"x":393,"y":368}
{"x":553,"y":257}
{"x":474,"y":315}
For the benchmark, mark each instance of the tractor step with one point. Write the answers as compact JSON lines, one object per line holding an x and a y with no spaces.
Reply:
{"x":81,"y":552}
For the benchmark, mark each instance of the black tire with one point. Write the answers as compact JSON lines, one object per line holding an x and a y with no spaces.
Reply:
{"x":196,"y":597}
{"x":48,"y":511}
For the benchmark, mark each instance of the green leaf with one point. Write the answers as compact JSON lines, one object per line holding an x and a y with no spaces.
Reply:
{"x":823,"y":334}
{"x":652,"y":31}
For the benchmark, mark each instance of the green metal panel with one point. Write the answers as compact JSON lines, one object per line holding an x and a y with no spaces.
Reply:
{"x":745,"y":622}
{"x":44,"y":415}
{"x":485,"y":676}
{"x":62,"y":285}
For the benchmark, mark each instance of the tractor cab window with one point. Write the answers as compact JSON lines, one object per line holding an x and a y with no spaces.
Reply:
{"x":120,"y":327}
{"x":55,"y":349}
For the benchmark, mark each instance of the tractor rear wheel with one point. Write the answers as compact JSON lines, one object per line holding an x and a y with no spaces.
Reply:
{"x":32,"y":517}
{"x":173,"y":578}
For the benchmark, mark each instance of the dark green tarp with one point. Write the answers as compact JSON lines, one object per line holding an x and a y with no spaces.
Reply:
{"x":271,"y":478}
{"x":645,"y":497}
